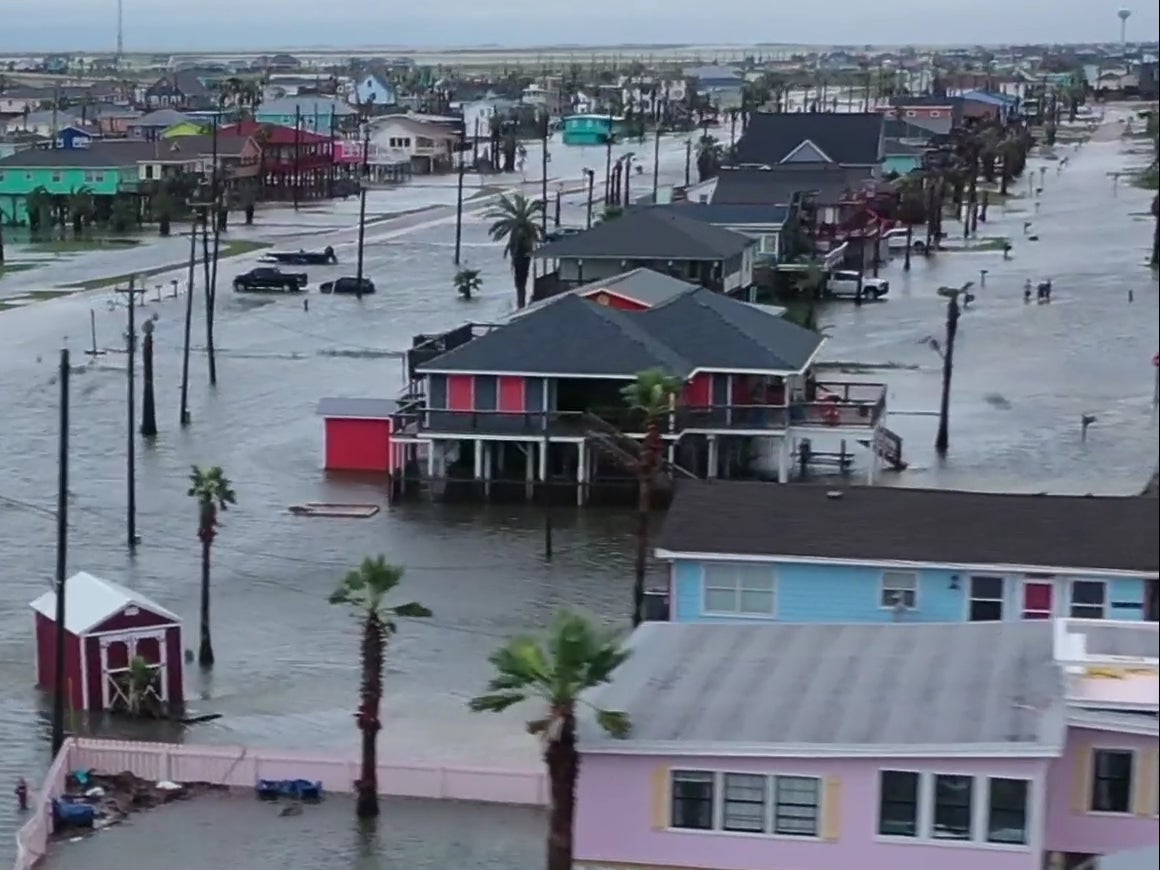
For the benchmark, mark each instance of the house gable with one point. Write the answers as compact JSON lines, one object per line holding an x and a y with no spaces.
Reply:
{"x":807,"y":152}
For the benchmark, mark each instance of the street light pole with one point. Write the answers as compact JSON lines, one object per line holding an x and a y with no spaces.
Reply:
{"x":656,"y":163}
{"x":459,"y":211}
{"x":942,"y":440}
{"x":148,"y":412}
{"x":131,"y":440}
{"x":591,"y":173}
{"x":608,"y":167}
{"x":60,"y":683}
{"x":544,"y":177}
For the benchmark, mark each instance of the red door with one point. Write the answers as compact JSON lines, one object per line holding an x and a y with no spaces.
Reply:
{"x":1037,"y":595}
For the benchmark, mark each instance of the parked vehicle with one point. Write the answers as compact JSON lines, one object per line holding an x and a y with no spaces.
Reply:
{"x":325,"y":257}
{"x":844,"y":285}
{"x":896,"y":239}
{"x":267,"y":280}
{"x":348,"y":284}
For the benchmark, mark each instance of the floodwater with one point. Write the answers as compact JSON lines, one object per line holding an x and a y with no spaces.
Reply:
{"x":287,"y":661}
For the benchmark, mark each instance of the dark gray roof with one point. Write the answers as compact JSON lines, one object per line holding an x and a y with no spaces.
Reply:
{"x":649,"y":234}
{"x":847,"y":138}
{"x":899,"y":149}
{"x":898,"y":129}
{"x":161,"y":118}
{"x":641,"y":285}
{"x":901,"y":688}
{"x":779,"y":186}
{"x":340,"y":407}
{"x":94,"y":156}
{"x":695,"y":330}
{"x":730,"y":214}
{"x":915,"y":525}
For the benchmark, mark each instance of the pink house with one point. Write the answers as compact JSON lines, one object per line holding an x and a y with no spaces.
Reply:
{"x":905,"y":746}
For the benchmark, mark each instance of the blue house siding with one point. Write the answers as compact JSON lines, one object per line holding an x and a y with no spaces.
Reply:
{"x":844,"y":593}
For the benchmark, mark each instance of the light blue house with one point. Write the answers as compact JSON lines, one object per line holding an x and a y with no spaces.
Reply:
{"x":374,"y":89}
{"x":591,"y":129}
{"x":313,"y":112}
{"x":744,"y":551}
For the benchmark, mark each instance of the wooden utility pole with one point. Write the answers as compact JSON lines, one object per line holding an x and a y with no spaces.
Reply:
{"x":297,"y":150}
{"x":60,"y":682}
{"x":131,"y":293}
{"x":656,"y":163}
{"x":942,"y":440}
{"x":148,"y":410}
{"x":211,"y":286}
{"x":544,"y":175}
{"x":188,"y":321}
{"x":459,"y":210}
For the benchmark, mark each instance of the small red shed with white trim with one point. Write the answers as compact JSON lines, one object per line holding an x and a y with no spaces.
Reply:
{"x":107,"y":625}
{"x":358,"y":435}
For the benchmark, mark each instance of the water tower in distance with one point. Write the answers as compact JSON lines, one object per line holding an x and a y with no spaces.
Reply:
{"x":1124,"y":14}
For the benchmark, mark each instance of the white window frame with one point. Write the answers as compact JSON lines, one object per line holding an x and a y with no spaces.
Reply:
{"x":972,"y":808}
{"x":919,"y":807}
{"x":1089,"y":798}
{"x":1071,"y":598}
{"x":819,"y":806}
{"x":769,"y":814}
{"x":1002,"y":599}
{"x":885,"y":587}
{"x":714,"y":809}
{"x":738,"y":570}
{"x":1038,"y":581}
{"x":985,"y":831}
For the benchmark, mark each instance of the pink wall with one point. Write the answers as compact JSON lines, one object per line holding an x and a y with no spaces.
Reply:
{"x":614,"y":819}
{"x":1070,"y":831}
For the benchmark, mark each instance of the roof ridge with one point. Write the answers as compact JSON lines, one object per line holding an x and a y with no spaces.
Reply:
{"x":631,"y":324}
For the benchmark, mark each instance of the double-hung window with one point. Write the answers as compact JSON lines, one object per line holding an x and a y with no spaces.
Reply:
{"x":693,"y":799}
{"x":1112,"y":780}
{"x":745,"y":801}
{"x":746,"y":590}
{"x":952,"y":807}
{"x":899,"y":590}
{"x":898,"y":803}
{"x":796,"y":804}
{"x":1007,"y":811}
{"x":1089,"y":599}
{"x":986,"y":603}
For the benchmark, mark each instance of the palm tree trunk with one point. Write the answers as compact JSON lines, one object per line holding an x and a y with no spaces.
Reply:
{"x":644,"y":499}
{"x":521,"y":265}
{"x":205,"y":646}
{"x":367,"y":804}
{"x":563,"y":768}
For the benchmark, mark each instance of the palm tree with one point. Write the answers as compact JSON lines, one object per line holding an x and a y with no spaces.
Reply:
{"x":467,"y":281}
{"x":213,"y":492}
{"x":365,"y":588}
{"x":652,"y":395}
{"x":516,"y":222}
{"x":161,"y":205}
{"x":124,"y":214}
{"x":574,"y":657}
{"x":1154,"y":261}
{"x":80,"y":208}
{"x":709,"y":154}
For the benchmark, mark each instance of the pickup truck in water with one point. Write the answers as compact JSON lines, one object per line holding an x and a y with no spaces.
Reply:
{"x":844,"y":285}
{"x":268,"y":280}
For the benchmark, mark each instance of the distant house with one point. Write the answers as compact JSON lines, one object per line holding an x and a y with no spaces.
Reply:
{"x":76,"y":136}
{"x":764,"y":223}
{"x":830,"y":189}
{"x":316,"y":114}
{"x":661,"y":239}
{"x":374,"y":89}
{"x":18,"y":100}
{"x":103,"y":168}
{"x":721,"y":86}
{"x":592,"y":129}
{"x":994,"y":746}
{"x":854,"y":141}
{"x":1005,"y":571}
{"x":988,"y":106}
{"x":150,"y":126}
{"x":46,"y":122}
{"x":939,"y":115}
{"x":478,"y":115}
{"x":110,"y":119}
{"x":290,"y":157}
{"x":425,"y":142}
{"x":178,"y":90}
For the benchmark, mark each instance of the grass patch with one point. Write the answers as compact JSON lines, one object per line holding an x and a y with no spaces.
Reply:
{"x":81,"y":245}
{"x":13,"y":268}
{"x":233,"y":248}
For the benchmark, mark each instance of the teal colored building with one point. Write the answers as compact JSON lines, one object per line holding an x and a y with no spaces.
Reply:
{"x":591,"y":129}
{"x":315,"y":114}
{"x":62,"y":172}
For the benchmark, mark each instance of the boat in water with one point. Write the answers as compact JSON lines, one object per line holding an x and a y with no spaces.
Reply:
{"x":325,"y":257}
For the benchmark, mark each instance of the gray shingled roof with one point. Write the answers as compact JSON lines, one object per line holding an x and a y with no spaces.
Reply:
{"x":737,"y":187}
{"x":733,"y":214}
{"x":161,"y":118}
{"x":642,"y":285}
{"x":94,"y":156}
{"x":695,"y":330}
{"x":649,"y":234}
{"x":847,"y":138}
{"x":340,"y":407}
{"x":902,"y":688}
{"x":915,"y":525}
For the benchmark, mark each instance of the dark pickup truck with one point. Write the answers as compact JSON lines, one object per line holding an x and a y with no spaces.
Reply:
{"x":270,"y":280}
{"x":348,"y":285}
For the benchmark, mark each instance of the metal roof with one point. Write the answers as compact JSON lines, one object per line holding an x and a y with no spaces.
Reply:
{"x":649,"y":234}
{"x":90,"y":600}
{"x":847,"y":138}
{"x":342,"y":408}
{"x":907,"y":689}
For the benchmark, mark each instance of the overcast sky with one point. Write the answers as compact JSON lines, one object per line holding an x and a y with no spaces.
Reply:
{"x":261,"y":24}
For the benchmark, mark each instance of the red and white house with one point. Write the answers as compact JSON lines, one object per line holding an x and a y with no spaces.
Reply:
{"x":106,"y":626}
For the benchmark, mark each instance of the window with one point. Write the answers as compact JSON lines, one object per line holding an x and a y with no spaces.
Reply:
{"x":1088,"y":598}
{"x":692,"y":800}
{"x":910,"y":113}
{"x":1112,"y":781}
{"x":934,"y":113}
{"x":1037,"y":599}
{"x":56,"y":177}
{"x":1,"y":176}
{"x":740,"y":589}
{"x":952,"y":807}
{"x":1007,"y":811}
{"x":986,"y":599}
{"x":795,"y":811}
{"x":744,"y":803}
{"x":149,"y":170}
{"x":899,"y":589}
{"x":898,"y":803}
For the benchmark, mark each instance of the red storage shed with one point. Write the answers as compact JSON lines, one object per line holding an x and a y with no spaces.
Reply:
{"x":358,"y":435}
{"x":107,"y":626}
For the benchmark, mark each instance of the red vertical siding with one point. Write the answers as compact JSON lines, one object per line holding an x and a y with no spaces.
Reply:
{"x":73,"y":672}
{"x":698,"y":393}
{"x":173,"y":665}
{"x":511,"y":394}
{"x":46,"y":662}
{"x":123,"y":621}
{"x":460,"y":392}
{"x":94,"y":675}
{"x":358,"y":445}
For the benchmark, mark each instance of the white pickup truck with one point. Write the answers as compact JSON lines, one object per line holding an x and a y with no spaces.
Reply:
{"x":844,"y":285}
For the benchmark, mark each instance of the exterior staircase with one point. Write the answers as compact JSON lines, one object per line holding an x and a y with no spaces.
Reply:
{"x":620,"y":448}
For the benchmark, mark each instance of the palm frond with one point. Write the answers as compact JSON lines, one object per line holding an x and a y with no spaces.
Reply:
{"x":496,"y":702}
{"x":615,"y":723}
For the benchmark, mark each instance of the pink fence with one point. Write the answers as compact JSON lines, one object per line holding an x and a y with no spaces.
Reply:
{"x":32,"y":838}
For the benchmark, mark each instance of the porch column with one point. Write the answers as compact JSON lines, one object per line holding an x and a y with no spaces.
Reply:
{"x":488,"y":450}
{"x":529,"y":470}
{"x":544,"y":460}
{"x":581,"y":474}
{"x":714,"y":457}
{"x":783,"y":458}
{"x":872,"y":465}
{"x":431,"y":448}
{"x":478,"y":472}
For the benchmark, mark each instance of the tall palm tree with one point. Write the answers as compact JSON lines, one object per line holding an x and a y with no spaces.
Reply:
{"x":517,"y":224}
{"x":574,"y":656}
{"x":214,"y":493}
{"x":365,"y":589}
{"x":652,"y":395}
